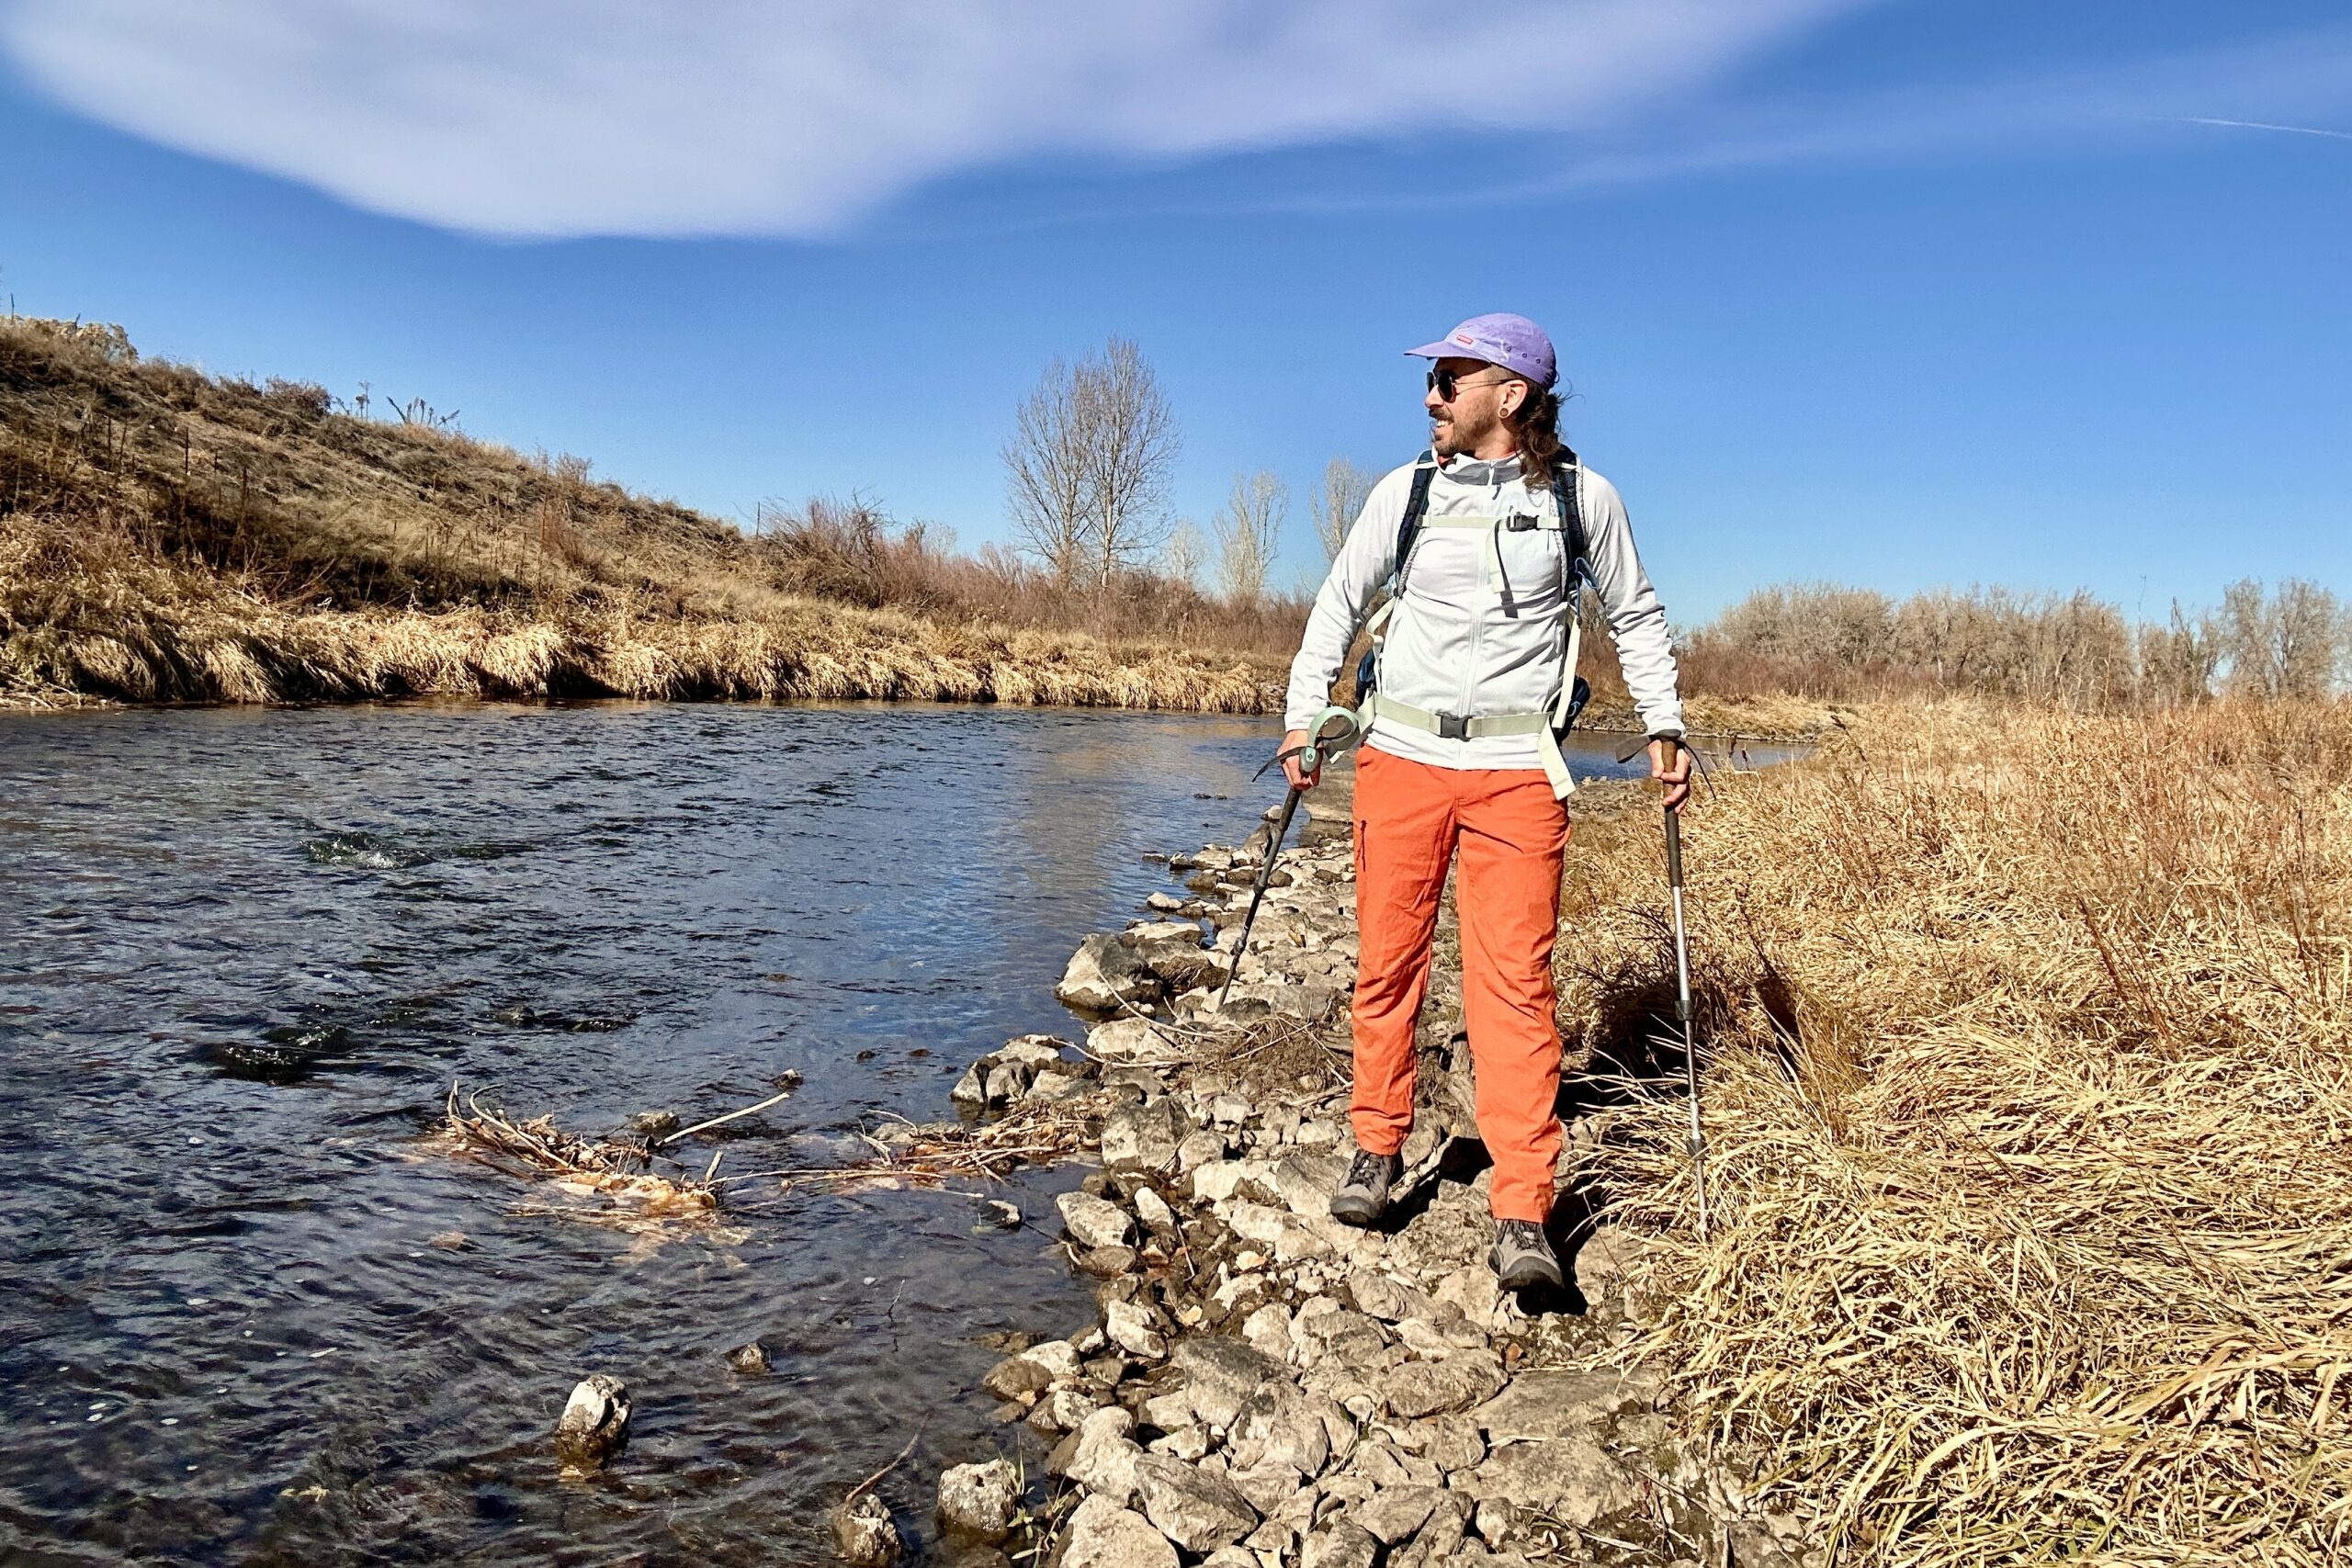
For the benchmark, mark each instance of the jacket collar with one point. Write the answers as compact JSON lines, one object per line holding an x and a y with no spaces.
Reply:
{"x":1480,"y":471}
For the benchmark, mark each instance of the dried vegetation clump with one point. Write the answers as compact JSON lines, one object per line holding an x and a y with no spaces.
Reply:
{"x":2031,"y":1146}
{"x":168,"y":535}
{"x":613,"y":1178}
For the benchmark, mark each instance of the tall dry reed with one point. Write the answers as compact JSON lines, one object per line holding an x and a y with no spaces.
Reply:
{"x":2030,"y":1147}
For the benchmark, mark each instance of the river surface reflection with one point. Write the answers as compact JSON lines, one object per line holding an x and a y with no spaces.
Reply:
{"x":243,"y":955}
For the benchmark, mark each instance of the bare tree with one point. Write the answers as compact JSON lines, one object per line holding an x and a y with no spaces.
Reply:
{"x":1336,"y":505}
{"x":1089,"y":464}
{"x":1186,"y":551}
{"x":2178,"y":661}
{"x":1047,"y":484}
{"x":1249,"y":533}
{"x":1130,"y":445}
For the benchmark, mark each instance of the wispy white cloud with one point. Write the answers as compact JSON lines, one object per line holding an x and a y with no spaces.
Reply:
{"x":2264,"y":125}
{"x":799,"y":116}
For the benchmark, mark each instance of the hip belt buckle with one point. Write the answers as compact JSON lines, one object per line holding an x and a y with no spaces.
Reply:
{"x":1453,"y":726}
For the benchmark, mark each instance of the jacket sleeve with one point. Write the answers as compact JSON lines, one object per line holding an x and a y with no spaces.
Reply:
{"x":1365,"y":562}
{"x":1636,"y":619}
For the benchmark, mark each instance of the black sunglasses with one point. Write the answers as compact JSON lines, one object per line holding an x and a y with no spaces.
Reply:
{"x":1445,"y":383}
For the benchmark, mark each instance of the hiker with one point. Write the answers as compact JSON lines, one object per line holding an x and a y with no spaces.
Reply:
{"x":1471,"y":681}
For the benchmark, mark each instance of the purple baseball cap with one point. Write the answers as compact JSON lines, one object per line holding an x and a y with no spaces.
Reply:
{"x":1512,"y":342}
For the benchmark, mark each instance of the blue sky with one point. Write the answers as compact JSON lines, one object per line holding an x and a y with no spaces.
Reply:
{"x":1896,"y":293}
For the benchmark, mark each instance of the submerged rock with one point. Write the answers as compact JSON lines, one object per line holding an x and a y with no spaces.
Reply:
{"x":595,"y":1424}
{"x":750,"y":1359}
{"x":979,"y":1500}
{"x":864,"y":1535}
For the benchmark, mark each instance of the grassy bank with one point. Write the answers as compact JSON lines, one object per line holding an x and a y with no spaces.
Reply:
{"x":2026,"y":1046}
{"x":168,"y":535}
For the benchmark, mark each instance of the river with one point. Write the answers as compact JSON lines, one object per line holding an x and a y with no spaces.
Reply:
{"x":253,"y":1316}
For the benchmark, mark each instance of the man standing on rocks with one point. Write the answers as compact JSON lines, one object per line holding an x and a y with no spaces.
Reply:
{"x":1461,"y":754}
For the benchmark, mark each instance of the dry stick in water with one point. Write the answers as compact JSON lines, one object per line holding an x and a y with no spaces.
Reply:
{"x":858,"y":1490}
{"x":721,"y":1120}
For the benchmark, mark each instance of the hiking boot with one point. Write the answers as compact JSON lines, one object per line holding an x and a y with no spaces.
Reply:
{"x":1362,"y":1197}
{"x":1522,"y":1256}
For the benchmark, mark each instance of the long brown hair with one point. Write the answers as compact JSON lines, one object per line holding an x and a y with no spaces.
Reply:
{"x":1537,"y":425}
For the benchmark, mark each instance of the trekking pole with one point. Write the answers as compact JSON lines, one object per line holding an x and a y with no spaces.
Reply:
{"x":1683,"y":1009}
{"x":1336,"y":731}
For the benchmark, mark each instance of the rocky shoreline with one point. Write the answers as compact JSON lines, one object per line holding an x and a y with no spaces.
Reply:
{"x":1266,"y":1388}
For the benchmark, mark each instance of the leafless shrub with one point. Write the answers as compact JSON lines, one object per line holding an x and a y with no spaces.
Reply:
{"x":2290,"y":643}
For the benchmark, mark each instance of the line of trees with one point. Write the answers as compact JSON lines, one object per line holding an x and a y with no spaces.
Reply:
{"x":2293,"y":639}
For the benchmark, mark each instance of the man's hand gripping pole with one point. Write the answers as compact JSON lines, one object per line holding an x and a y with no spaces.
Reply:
{"x":1334,"y":733}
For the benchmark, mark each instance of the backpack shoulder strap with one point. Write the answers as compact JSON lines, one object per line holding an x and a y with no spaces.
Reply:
{"x":1417,"y":506}
{"x":1568,"y":477}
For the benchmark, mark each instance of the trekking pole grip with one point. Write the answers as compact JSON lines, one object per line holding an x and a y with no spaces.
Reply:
{"x":1674,"y":848}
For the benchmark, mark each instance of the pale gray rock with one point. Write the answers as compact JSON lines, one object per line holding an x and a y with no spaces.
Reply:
{"x":1123,"y":1040}
{"x":1094,"y":1222}
{"x":1153,"y":1209}
{"x":1540,"y":1405}
{"x":979,"y":1500}
{"x":1396,"y":1513}
{"x":1608,"y":1257}
{"x":1167,"y":1411}
{"x":1033,"y":1052}
{"x":1144,"y":1137}
{"x":863,"y":1536}
{"x":1196,"y":1509}
{"x":1104,"y":1456}
{"x":972,"y":1088}
{"x":1189,"y":1443}
{"x":1267,"y":1329}
{"x":1101,"y":1534}
{"x":1201,"y":1149}
{"x":595,"y":1424}
{"x":1435,"y":1388}
{"x":1106,"y":973}
{"x":1381,"y":1295}
{"x":1059,"y":1359}
{"x":1282,"y":1424}
{"x":1131,"y":1328}
{"x":1340,"y":1544}
{"x":1573,"y":1479}
{"x":1221,"y":1375}
{"x":1268,"y":1485}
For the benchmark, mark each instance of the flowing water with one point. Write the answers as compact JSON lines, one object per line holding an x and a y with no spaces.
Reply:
{"x":251,"y":1315}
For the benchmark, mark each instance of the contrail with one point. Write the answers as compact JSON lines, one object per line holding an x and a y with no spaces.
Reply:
{"x":2259,"y":125}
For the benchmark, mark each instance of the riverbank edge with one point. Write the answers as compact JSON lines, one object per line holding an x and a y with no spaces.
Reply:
{"x":1457,"y":1425}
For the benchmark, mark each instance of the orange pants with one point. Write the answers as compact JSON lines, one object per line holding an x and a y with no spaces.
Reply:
{"x":1511,"y":833}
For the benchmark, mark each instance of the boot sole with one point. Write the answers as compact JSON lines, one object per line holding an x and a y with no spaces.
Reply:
{"x":1527,"y":1273}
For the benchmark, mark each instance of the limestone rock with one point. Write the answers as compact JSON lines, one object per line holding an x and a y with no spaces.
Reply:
{"x":1106,"y":973}
{"x":1130,"y":1326}
{"x":1094,"y":1222}
{"x":979,"y":1500}
{"x":1396,"y":1513}
{"x":1017,"y":1379}
{"x":1144,"y":1137}
{"x":1198,"y":1509}
{"x":1103,"y":1456}
{"x":1123,"y":1040}
{"x":1434,"y":1388}
{"x":1101,"y":1534}
{"x":1283,"y":1424}
{"x":595,"y":1424}
{"x":1340,"y":1544}
{"x":1571,"y":1478}
{"x":1382,"y":1296}
{"x":750,"y":1359}
{"x":863,"y":1536}
{"x":1540,"y":1405}
{"x":1221,"y":1375}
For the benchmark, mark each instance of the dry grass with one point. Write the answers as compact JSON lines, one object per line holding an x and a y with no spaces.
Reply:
{"x":2030,"y":1144}
{"x":165,"y":535}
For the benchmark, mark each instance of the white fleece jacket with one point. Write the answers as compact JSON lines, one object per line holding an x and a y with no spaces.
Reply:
{"x":1482,"y":626}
